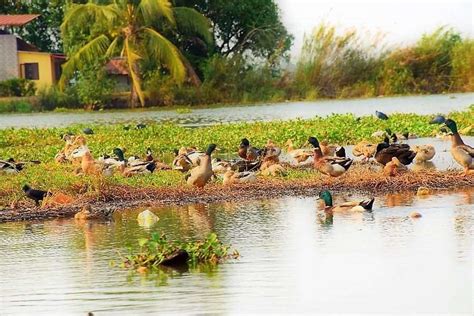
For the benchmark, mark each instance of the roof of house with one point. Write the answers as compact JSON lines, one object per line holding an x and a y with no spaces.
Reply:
{"x":16,"y":19}
{"x":116,"y":66}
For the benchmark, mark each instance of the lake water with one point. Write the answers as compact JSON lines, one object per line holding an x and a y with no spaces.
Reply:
{"x":291,"y":260}
{"x":428,"y":104}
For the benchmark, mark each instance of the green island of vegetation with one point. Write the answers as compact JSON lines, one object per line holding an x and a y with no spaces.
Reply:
{"x":43,"y":144}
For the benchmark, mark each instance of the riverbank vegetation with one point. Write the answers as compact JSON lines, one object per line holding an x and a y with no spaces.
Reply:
{"x":230,"y":53}
{"x":44,"y":144}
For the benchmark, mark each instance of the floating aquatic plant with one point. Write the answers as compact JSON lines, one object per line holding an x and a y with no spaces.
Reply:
{"x":157,"y":251}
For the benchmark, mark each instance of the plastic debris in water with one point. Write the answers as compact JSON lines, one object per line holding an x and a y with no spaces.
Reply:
{"x":438,"y":119}
{"x":147,"y":218}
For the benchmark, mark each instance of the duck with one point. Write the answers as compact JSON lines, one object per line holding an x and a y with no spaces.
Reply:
{"x":424,"y":153}
{"x":299,"y":155}
{"x":181,"y":162}
{"x":353,"y":206}
{"x":248,"y":152}
{"x":36,"y":195}
{"x":462,"y":153}
{"x":331,"y":166}
{"x":274,"y":171}
{"x":241,"y":165}
{"x":232,"y":176}
{"x":220,"y":166}
{"x":328,"y":150}
{"x":144,"y":167}
{"x":88,"y":164}
{"x":202,"y":173}
{"x":158,"y":164}
{"x":364,"y":149}
{"x":394,"y":167}
{"x":385,"y":152}
{"x":381,"y":115}
{"x":10,"y":167}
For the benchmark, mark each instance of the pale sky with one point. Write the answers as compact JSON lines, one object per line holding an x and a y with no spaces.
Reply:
{"x":402,"y":21}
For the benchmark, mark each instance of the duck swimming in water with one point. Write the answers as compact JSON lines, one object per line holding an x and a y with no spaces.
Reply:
{"x":353,"y":206}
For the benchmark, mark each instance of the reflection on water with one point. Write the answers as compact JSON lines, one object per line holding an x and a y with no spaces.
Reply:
{"x":427,"y":104}
{"x":292,"y":260}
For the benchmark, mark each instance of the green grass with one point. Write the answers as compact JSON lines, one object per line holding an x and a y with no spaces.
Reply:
{"x":43,"y":144}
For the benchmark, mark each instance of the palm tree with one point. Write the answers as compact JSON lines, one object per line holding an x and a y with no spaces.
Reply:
{"x":129,"y":29}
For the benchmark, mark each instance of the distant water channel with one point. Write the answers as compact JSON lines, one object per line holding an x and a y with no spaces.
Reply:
{"x":427,"y":104}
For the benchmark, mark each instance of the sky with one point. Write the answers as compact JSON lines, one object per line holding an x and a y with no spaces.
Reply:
{"x":401,"y":21}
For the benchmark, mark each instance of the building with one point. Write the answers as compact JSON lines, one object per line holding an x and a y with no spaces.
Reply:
{"x":20,"y":59}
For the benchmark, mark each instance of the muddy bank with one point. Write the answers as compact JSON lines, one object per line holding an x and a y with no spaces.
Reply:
{"x":361,"y":179}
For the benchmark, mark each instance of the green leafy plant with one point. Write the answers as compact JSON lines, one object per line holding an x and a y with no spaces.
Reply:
{"x":155,"y":249}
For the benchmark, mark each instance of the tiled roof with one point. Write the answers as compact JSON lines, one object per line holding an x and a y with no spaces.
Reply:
{"x":16,"y":20}
{"x":116,"y":66}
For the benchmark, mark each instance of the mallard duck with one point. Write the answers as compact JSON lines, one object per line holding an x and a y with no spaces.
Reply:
{"x":231,"y":177}
{"x":354,"y":206}
{"x":299,"y":155}
{"x":462,"y":153}
{"x":181,"y":162}
{"x":248,"y":152}
{"x":424,"y":153}
{"x":158,"y":164}
{"x":385,"y":152}
{"x":328,"y":150}
{"x":365,"y":149}
{"x":201,"y":174}
{"x":35,"y":195}
{"x":143,"y":167}
{"x":331,"y":166}
{"x":394,"y":167}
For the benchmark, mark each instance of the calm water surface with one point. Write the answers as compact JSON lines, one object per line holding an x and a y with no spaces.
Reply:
{"x":292,"y":260}
{"x":429,"y":104}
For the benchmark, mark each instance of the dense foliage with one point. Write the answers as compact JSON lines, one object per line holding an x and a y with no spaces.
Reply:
{"x":17,"y":87}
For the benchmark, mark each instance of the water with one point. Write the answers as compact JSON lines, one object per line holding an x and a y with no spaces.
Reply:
{"x":428,"y":104}
{"x":291,"y":260}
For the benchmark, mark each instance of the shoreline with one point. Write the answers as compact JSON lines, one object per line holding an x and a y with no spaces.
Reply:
{"x":205,"y":106}
{"x":114,"y":198}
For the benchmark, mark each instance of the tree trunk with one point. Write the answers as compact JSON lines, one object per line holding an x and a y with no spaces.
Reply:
{"x":134,"y":101}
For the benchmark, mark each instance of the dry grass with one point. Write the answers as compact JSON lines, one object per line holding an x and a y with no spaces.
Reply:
{"x":366,"y":178}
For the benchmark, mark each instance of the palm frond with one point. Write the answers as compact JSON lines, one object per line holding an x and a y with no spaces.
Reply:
{"x":85,"y":55}
{"x":165,"y":52}
{"x":151,"y":9}
{"x":132,"y":59}
{"x":193,"y":22}
{"x":78,"y":14}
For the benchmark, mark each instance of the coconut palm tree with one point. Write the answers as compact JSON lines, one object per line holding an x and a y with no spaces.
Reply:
{"x":133,"y":30}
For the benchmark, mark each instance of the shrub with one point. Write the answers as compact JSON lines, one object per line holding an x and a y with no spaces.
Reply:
{"x":51,"y":98}
{"x":22,"y":105}
{"x":17,"y":87}
{"x":93,"y":87}
{"x":462,"y":75}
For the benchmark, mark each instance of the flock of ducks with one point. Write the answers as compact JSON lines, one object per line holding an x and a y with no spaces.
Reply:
{"x":200,"y":167}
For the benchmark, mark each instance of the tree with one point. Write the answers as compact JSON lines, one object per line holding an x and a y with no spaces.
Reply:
{"x":43,"y":32}
{"x":133,"y":30}
{"x":244,"y":26}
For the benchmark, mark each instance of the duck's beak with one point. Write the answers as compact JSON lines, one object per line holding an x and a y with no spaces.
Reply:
{"x":306,"y":144}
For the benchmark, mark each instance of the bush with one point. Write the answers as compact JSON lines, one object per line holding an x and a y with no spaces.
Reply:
{"x":17,"y":87}
{"x":22,"y":105}
{"x":94,"y":88}
{"x":51,"y":98}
